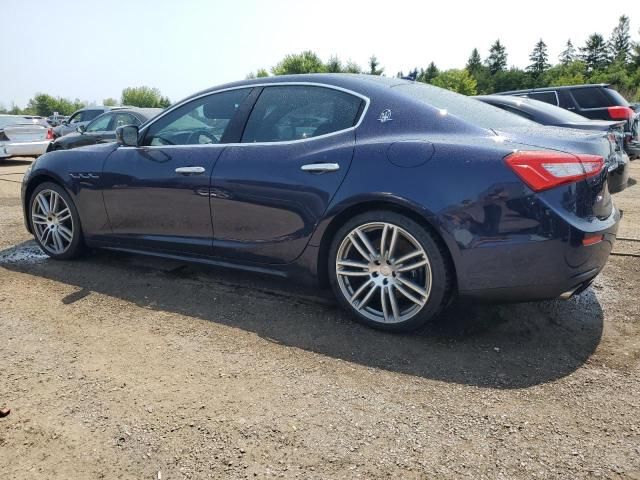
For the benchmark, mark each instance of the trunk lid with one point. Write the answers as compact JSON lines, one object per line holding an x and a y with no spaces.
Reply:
{"x":25,"y":133}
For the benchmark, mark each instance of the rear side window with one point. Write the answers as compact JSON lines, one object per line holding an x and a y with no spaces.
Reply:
{"x":594,"y":97}
{"x":296,"y":112}
{"x":122,"y":119}
{"x":546,"y":97}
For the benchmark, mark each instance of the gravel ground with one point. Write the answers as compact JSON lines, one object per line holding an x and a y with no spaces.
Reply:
{"x":118,"y":366}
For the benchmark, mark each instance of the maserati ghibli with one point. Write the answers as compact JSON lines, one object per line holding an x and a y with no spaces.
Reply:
{"x":397,"y":195}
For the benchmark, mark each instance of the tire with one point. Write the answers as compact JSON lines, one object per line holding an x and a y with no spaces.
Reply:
{"x":58,"y":233}
{"x":384,"y":286}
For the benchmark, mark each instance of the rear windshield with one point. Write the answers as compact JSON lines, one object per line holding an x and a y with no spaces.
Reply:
{"x":6,"y":120}
{"x":547,"y":97}
{"x":597,"y":97}
{"x":466,"y":108}
{"x":555,"y":112}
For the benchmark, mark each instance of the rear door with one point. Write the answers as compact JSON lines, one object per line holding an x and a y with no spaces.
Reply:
{"x":269,"y":191}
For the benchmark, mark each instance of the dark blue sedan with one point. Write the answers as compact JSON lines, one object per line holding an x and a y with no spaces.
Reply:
{"x":399,"y":195}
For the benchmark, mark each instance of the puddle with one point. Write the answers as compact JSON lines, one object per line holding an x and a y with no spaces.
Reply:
{"x":28,"y":252}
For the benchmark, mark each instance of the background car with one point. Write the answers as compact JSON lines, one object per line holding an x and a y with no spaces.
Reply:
{"x":599,"y":101}
{"x":103,"y":128}
{"x":79,"y":118}
{"x":550,"y":115}
{"x":20,"y":136}
{"x":398,"y":195}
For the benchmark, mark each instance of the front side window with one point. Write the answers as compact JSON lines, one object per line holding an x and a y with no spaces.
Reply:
{"x":296,"y":112}
{"x":75,"y":118}
{"x":546,"y":97}
{"x":100,"y":124}
{"x":199,"y":122}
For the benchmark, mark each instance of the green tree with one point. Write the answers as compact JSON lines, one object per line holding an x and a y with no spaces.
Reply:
{"x":539,"y":60}
{"x":305,"y":62}
{"x":595,"y":53}
{"x":352,"y":67}
{"x":512,"y":79}
{"x":570,"y":74}
{"x":497,"y":60}
{"x":568,"y":55}
{"x":373,"y":66}
{"x":427,"y":76}
{"x":620,"y":41}
{"x":459,"y":81}
{"x":145,"y":97}
{"x":44,"y":105}
{"x":475,"y":61}
{"x":334,"y":65}
{"x":110,"y":102}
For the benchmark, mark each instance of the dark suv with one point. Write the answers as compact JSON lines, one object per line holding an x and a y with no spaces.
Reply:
{"x":592,"y":101}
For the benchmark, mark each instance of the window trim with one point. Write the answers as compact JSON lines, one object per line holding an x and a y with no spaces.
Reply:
{"x":363,"y":113}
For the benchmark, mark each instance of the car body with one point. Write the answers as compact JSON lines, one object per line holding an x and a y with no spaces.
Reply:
{"x":79,"y":118}
{"x":344,"y":180}
{"x":55,"y":120}
{"x":23,"y":137}
{"x":550,"y":115}
{"x":594,"y":101}
{"x":102,"y":129}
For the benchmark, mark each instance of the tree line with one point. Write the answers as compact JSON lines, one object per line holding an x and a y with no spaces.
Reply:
{"x":615,"y":60}
{"x":44,"y":104}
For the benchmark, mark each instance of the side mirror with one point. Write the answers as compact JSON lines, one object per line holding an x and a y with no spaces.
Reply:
{"x":65,"y":122}
{"x":127,"y":135}
{"x":81,"y":129}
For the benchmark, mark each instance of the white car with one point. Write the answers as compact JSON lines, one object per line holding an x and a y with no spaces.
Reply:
{"x":21,"y":137}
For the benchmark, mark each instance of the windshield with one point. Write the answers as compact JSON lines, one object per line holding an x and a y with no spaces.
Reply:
{"x":556,"y":112}
{"x":466,"y":108}
{"x":6,"y":120}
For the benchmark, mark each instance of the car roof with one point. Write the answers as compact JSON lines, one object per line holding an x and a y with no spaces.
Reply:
{"x":357,"y":82}
{"x":562,"y":87}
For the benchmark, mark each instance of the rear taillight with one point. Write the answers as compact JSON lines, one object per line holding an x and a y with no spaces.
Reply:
{"x":621,"y":113}
{"x":542,"y":170}
{"x":50,"y":134}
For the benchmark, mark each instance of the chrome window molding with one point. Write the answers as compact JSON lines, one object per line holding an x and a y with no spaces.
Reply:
{"x":366,"y":99}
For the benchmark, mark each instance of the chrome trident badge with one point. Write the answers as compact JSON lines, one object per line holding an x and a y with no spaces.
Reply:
{"x":385,"y":116}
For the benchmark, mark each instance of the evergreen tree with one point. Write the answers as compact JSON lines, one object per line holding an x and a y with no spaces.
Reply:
{"x":595,"y":53}
{"x":497,"y":60}
{"x":620,"y":41}
{"x":373,"y":66}
{"x":568,"y":55}
{"x":475,"y":62}
{"x":539,"y":59}
{"x":334,"y":65}
{"x":427,"y":76}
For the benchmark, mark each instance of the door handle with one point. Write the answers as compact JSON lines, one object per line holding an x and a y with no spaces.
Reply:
{"x":190,"y":170}
{"x":320,"y":167}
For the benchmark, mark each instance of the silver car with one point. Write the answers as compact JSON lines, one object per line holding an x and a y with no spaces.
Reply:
{"x":21,"y":137}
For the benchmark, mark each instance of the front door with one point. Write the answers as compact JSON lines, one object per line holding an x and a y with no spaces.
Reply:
{"x":269,"y":192}
{"x":157,"y":195}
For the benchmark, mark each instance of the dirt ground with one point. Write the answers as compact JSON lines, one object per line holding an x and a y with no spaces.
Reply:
{"x":117,"y":366}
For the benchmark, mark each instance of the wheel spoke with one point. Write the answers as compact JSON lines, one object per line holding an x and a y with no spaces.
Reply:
{"x":359,"y":291}
{"x":363,"y":237}
{"x":46,"y":235}
{"x":394,"y":304}
{"x":383,"y":301}
{"x":53,"y":202}
{"x":412,"y":286}
{"x":359,"y":248}
{"x":64,"y":214}
{"x":65,"y":233}
{"x":43,"y":204}
{"x":408,"y":256}
{"x":413,"y":266}
{"x":392,"y":244}
{"x":383,"y":241}
{"x":409,"y":295}
{"x":353,"y":264}
{"x":367,"y":297}
{"x":57,"y":241}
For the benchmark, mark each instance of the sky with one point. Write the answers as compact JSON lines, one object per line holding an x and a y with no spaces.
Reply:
{"x":92,"y":50}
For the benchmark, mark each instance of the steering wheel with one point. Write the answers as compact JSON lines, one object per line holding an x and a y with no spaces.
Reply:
{"x":194,"y":137}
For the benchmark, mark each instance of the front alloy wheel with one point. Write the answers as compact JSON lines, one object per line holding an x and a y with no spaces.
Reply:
{"x":55,"y":222}
{"x":390,"y":271}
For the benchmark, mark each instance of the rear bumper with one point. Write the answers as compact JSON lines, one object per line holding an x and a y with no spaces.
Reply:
{"x":633,"y":149}
{"x":618,"y":178}
{"x":23,"y":149}
{"x":522,"y":271}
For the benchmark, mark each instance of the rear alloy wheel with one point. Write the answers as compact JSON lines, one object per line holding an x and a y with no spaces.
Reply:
{"x":55,"y":221}
{"x":389,"y":271}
